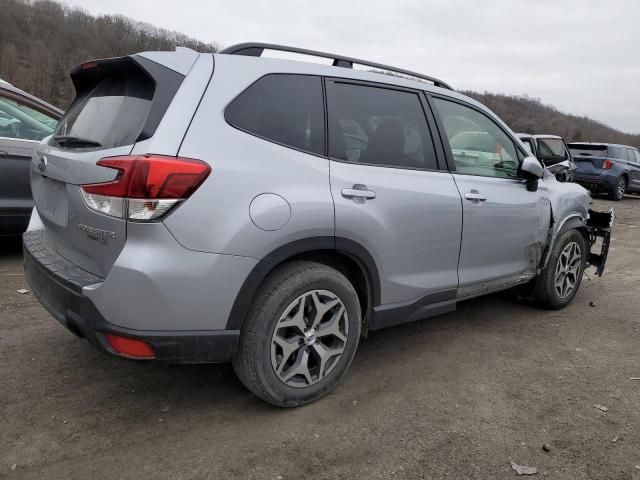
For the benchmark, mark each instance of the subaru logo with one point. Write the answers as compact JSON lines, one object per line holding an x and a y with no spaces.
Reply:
{"x":42,"y":165}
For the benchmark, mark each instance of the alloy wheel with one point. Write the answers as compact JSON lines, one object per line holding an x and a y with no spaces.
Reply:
{"x":622,"y":186}
{"x":309,"y":338}
{"x":568,"y":269}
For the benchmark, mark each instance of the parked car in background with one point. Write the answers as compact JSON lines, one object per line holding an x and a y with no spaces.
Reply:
{"x":550,"y":150}
{"x":607,"y":168}
{"x":270,"y":212}
{"x":24,"y":121}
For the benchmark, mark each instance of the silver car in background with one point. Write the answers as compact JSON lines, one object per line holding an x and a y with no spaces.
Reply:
{"x":230,"y":207}
{"x":24,"y":121}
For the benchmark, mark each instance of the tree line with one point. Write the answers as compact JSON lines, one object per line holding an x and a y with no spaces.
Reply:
{"x":42,"y":40}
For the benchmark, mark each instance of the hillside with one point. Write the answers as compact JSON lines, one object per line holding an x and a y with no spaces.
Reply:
{"x":41,"y":40}
{"x":528,"y":115}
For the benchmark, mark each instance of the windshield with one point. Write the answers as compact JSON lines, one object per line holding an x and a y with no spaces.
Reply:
{"x":22,"y":122}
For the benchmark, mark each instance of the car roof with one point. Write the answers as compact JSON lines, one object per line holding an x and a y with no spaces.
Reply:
{"x":541,"y":135}
{"x":7,"y":87}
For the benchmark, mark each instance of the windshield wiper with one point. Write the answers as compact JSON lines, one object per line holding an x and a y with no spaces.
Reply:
{"x":73,"y":140}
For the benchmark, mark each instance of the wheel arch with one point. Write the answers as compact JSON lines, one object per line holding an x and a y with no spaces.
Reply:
{"x":345,"y":255}
{"x":571,"y":221}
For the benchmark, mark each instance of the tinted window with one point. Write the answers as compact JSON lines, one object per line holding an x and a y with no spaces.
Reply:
{"x":551,"y":150}
{"x":113,"y":113}
{"x":19,"y":121}
{"x":478,"y":144}
{"x":379,"y":126}
{"x":286,"y":109}
{"x":617,"y":152}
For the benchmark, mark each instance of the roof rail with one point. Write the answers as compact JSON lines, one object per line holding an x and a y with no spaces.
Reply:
{"x":256,"y":50}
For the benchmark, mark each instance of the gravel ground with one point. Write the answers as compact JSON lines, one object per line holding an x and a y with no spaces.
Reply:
{"x":458,"y":396}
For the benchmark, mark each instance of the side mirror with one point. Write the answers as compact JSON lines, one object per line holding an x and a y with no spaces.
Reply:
{"x":532,"y":170}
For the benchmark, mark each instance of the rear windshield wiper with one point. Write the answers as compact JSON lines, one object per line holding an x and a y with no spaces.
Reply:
{"x":72,"y":140}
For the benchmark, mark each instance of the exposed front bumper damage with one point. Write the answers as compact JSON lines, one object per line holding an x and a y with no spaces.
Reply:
{"x":599,"y":225}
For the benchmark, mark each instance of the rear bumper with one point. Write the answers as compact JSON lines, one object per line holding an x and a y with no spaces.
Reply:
{"x":596,"y":182}
{"x":58,"y":285}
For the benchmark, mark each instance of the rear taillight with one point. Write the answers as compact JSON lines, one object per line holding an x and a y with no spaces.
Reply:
{"x":146,"y":187}
{"x":607,"y":164}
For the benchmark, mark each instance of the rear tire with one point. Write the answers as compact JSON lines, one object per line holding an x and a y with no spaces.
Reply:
{"x":560,"y":280}
{"x":618,"y":193}
{"x":300,"y":335}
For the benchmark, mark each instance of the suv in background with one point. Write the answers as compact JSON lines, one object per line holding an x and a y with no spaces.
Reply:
{"x":24,"y":121}
{"x":550,"y":150}
{"x":214,"y":207}
{"x":607,"y":168}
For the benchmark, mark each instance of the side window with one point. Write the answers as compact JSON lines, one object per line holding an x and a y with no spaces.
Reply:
{"x":637,"y":154}
{"x":630,"y":155}
{"x":19,"y":121}
{"x":379,"y":126}
{"x":478,"y":144}
{"x":285,"y":109}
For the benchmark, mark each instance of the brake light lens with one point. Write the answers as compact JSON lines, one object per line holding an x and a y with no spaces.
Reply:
{"x":607,"y":164}
{"x":146,"y":187}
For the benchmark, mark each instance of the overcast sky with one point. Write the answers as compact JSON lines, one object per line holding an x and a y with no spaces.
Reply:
{"x":581,"y":56}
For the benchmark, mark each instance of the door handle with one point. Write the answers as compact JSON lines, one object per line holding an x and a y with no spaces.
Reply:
{"x":359,"y":193}
{"x":475,"y":196}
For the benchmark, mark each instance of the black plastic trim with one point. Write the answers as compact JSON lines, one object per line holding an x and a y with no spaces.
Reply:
{"x":341,"y":245}
{"x":424,"y":307}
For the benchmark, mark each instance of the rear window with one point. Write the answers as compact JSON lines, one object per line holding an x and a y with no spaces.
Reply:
{"x":112,"y":114}
{"x":588,"y":150}
{"x":285,"y":109}
{"x":551,"y":149}
{"x":618,"y":152}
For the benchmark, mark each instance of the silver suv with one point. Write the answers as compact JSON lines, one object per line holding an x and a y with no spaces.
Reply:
{"x":227,"y":207}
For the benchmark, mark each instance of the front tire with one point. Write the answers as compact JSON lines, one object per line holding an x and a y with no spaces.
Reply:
{"x":300,"y":335}
{"x":560,"y":280}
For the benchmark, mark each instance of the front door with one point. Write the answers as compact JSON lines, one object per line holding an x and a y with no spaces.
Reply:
{"x":504,"y":225}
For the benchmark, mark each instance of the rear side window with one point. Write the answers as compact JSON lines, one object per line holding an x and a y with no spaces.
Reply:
{"x":630,"y":155}
{"x":379,"y":126}
{"x":112,"y":114}
{"x":637,"y":154}
{"x":285,"y":109}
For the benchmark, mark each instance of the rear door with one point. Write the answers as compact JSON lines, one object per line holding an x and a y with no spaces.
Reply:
{"x":22,"y":126}
{"x":116,"y":106}
{"x":389,"y":194}
{"x":504,"y":224}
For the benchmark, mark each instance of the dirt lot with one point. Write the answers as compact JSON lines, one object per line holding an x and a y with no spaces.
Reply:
{"x":459,"y":396}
